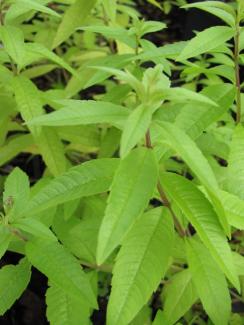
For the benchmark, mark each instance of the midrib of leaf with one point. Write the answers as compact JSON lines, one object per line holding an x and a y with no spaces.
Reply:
{"x":124,"y":207}
{"x":133,"y":282}
{"x":178,"y":297}
{"x":212,"y":290}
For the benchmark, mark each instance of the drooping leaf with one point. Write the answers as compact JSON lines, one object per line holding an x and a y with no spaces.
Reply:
{"x":61,"y":268}
{"x":33,"y":5}
{"x":201,"y":215}
{"x":89,"y":178}
{"x":29,"y":104}
{"x":13,"y":281}
{"x":217,"y":8}
{"x":74,"y":17}
{"x":41,"y":51}
{"x":194,"y":158}
{"x":84,"y":112}
{"x":210,"y":283}
{"x":132,"y":188}
{"x":14,"y":146}
{"x":64,"y":309}
{"x":140,"y":265}
{"x":206,"y":41}
{"x":180,"y":294}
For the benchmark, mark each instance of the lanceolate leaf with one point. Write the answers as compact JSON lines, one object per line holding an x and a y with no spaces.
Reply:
{"x":135,"y":128}
{"x":84,"y":112}
{"x":74,"y":17}
{"x":235,"y":180}
{"x":61,"y":268}
{"x":34,"y":5}
{"x":206,"y":41}
{"x":217,"y":8}
{"x":64,"y":309}
{"x":194,"y":158}
{"x":180,"y":294}
{"x":205,"y":115}
{"x":201,"y":215}
{"x":29,"y":104}
{"x":210,"y":283}
{"x":13,"y":281}
{"x":131,"y":190}
{"x":89,"y":178}
{"x":140,"y":265}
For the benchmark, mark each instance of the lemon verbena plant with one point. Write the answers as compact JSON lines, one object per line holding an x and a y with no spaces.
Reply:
{"x":141,"y":199}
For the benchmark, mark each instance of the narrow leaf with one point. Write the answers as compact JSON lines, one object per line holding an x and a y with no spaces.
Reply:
{"x":140,"y":265}
{"x":210,"y":283}
{"x":61,"y":268}
{"x":64,"y":309}
{"x":84,"y":112}
{"x":206,"y":41}
{"x":131,"y":190}
{"x":13,"y":281}
{"x":89,"y":178}
{"x":201,"y":215}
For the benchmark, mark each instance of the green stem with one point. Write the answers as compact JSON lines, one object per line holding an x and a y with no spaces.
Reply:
{"x":163,"y":196}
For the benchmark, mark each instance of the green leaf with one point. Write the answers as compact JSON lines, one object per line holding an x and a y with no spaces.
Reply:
{"x":43,"y":52}
{"x":14,"y":146}
{"x":235,"y":180}
{"x":194,"y":158}
{"x":16,"y":192}
{"x":74,"y":17}
{"x":217,"y":8}
{"x":64,"y":309}
{"x":13,"y":41}
{"x":239,"y":263}
{"x":13,"y":281}
{"x":132,"y":187}
{"x":5,"y":238}
{"x":210,"y":283}
{"x":80,"y":235}
{"x":178,"y":94}
{"x":112,"y":32}
{"x":61,"y":268}
{"x":135,"y":128}
{"x":34,"y":5}
{"x":205,"y":115}
{"x":35,"y":228}
{"x":234,"y":208}
{"x":87,"y":179}
{"x":82,"y":112}
{"x":140,"y":265}
{"x":180,"y":294}
{"x":206,"y":41}
{"x":201,"y":215}
{"x":30,"y":106}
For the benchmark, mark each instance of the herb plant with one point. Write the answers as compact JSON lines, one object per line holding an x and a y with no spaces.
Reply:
{"x":143,"y":187}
